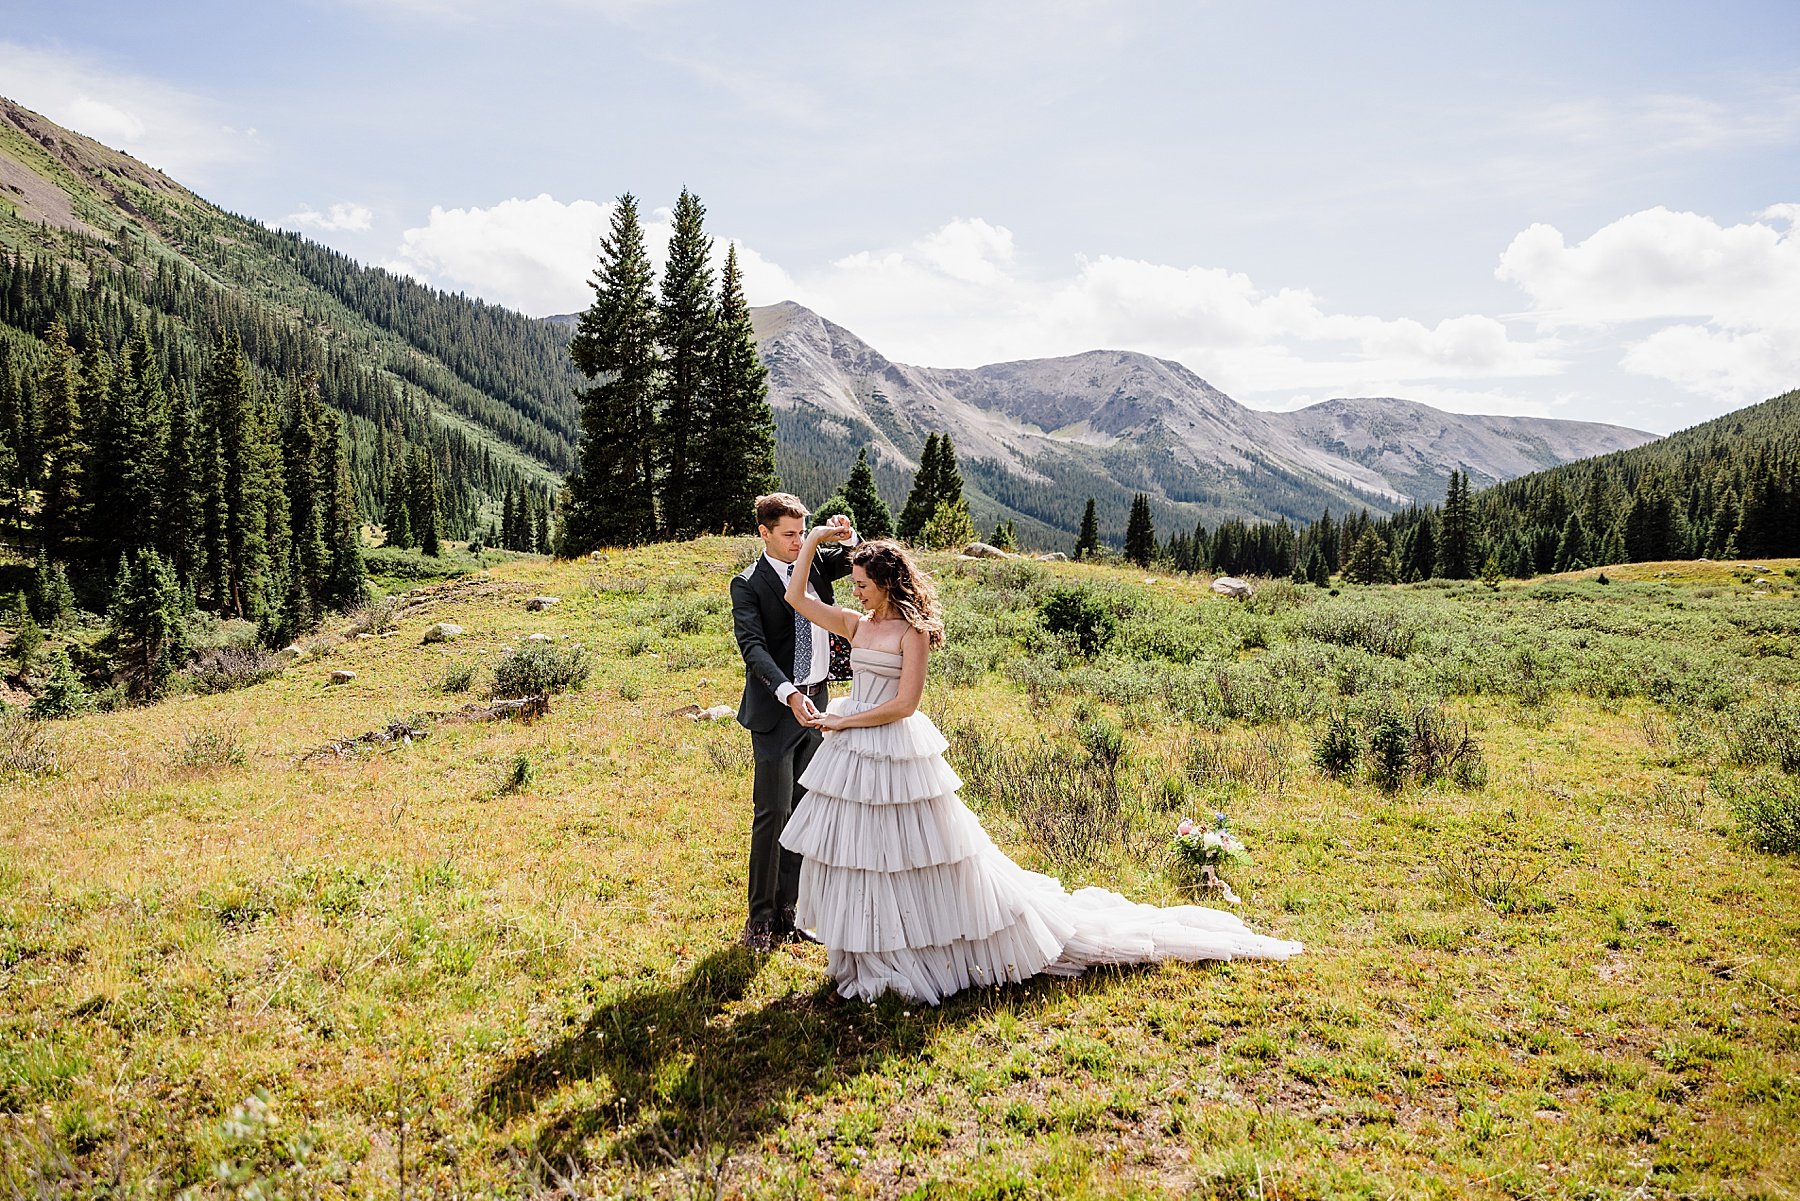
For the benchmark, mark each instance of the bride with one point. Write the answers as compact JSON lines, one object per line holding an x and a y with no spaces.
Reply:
{"x":899,"y":880}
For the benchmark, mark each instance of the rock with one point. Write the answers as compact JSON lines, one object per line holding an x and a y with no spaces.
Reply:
{"x":1233,"y":587}
{"x":537,"y":637}
{"x":981,"y":550}
{"x":294,"y":650}
{"x":1054,"y":556}
{"x":1758,"y":567}
{"x":696,"y":713}
{"x":342,"y":677}
{"x":1759,"y":583}
{"x":444,"y":631}
{"x":1149,"y":579}
{"x":538,"y":604}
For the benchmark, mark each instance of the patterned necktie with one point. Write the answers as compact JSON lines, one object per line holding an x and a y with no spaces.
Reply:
{"x":803,"y":647}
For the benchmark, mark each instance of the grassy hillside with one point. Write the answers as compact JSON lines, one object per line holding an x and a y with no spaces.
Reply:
{"x":498,"y":958}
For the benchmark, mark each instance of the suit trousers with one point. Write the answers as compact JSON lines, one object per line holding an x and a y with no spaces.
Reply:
{"x":781,"y":757}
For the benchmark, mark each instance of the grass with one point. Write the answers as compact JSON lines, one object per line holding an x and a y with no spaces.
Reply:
{"x":499,"y":961}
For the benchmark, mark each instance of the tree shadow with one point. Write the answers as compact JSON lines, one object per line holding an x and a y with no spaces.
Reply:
{"x":685,"y":1076}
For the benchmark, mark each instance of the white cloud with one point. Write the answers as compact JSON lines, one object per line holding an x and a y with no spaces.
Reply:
{"x":170,"y":129}
{"x":341,"y":216}
{"x":1735,"y":289}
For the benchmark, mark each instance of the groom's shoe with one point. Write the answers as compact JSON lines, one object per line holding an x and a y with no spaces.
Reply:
{"x":758,"y":935}
{"x":787,"y":931}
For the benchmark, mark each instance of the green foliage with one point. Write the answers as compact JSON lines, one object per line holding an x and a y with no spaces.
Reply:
{"x":1767,"y":807}
{"x":148,"y":636}
{"x":540,"y":669}
{"x":518,"y":774}
{"x":950,"y":526}
{"x":738,"y":446}
{"x":687,"y":327}
{"x":1764,"y":731}
{"x":205,"y":747}
{"x":28,"y":636}
{"x":1074,"y":610}
{"x":863,"y":502}
{"x":458,"y":677}
{"x":1338,"y":748}
{"x":62,"y":694}
{"x":1370,"y":561}
{"x":228,"y":668}
{"x":1088,"y":540}
{"x":1140,"y":532}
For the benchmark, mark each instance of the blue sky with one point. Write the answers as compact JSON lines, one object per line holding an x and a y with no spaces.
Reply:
{"x":1580,"y":210}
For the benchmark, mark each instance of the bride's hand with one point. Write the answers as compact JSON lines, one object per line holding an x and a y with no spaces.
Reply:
{"x":829,"y":721}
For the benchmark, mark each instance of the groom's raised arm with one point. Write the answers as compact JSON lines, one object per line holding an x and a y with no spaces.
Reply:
{"x":746,"y":623}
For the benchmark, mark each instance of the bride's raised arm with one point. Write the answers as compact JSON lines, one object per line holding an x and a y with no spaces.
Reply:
{"x":834,"y":619}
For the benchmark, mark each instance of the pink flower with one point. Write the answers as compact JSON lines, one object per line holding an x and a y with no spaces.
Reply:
{"x":1185,"y":828}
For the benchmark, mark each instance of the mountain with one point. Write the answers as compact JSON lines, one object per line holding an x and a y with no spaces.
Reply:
{"x":1037,"y":437}
{"x":1414,"y":447}
{"x":98,"y":239}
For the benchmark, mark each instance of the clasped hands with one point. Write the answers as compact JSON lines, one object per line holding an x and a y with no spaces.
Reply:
{"x":808,"y":714}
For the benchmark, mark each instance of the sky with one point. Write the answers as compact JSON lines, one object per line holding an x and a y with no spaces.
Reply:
{"x":1584,"y":210}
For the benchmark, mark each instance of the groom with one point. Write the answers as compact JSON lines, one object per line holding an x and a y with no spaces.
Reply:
{"x":786,"y":659}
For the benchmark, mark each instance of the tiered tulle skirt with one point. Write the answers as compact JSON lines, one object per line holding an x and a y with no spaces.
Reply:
{"x":909,"y":894}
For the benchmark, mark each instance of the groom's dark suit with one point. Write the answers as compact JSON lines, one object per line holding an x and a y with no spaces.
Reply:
{"x":764,"y":625}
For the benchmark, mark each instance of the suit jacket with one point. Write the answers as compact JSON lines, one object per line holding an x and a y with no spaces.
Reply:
{"x":764,"y":625}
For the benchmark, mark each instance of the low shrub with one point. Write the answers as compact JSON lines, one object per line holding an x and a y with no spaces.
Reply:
{"x":210,"y":748}
{"x":540,"y":669}
{"x":1075,"y":612}
{"x":1764,"y":731}
{"x":226,"y":668}
{"x":27,"y":747}
{"x":1767,"y":807}
{"x":1071,"y":807}
{"x":1338,"y":748}
{"x":397,"y":564}
{"x":458,"y":677}
{"x":63,"y":694}
{"x":377,"y":617}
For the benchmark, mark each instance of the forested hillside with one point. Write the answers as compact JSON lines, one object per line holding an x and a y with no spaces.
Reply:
{"x":93,"y":237}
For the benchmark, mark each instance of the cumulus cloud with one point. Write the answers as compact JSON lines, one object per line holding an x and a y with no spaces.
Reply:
{"x":341,"y":216}
{"x":961,"y":295}
{"x":1735,"y":291}
{"x":170,"y":129}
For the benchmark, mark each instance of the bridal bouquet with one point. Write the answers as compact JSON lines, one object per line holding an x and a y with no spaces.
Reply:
{"x":1205,"y":850}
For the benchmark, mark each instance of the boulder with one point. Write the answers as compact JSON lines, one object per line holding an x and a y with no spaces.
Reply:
{"x":1054,"y":556}
{"x":537,"y":637}
{"x":444,"y":631}
{"x":981,"y":550}
{"x":342,"y":677}
{"x":538,"y":604}
{"x":1228,"y":585}
{"x":294,"y":650}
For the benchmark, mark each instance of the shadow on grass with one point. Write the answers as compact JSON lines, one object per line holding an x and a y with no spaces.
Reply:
{"x":687,"y":1078}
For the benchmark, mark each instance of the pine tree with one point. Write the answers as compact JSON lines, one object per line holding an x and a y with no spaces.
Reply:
{"x":344,"y":586}
{"x":1456,"y":552}
{"x":1572,"y":545}
{"x":1421,"y":561}
{"x":240,"y":573}
{"x":1089,"y":539}
{"x":1140,"y":532}
{"x":426,"y":505}
{"x":1003,"y":537}
{"x":612,"y":499}
{"x":51,"y":598}
{"x":950,"y":526}
{"x":687,"y":326}
{"x":947,"y":483}
{"x":183,"y":507}
{"x":62,"y":510}
{"x":148,"y":634}
{"x":399,"y":512}
{"x":922,"y":500}
{"x":1370,"y":561}
{"x":509,"y":519}
{"x":737,"y":454}
{"x":868,"y":511}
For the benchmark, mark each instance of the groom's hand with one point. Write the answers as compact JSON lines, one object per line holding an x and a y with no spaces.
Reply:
{"x":804,"y":711}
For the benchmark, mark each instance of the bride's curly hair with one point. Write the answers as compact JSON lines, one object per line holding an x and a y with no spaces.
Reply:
{"x":909,"y":590}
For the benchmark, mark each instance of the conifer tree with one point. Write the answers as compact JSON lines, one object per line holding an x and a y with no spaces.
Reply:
{"x":870,"y":513}
{"x":240,"y":573}
{"x":1004,"y":537}
{"x":1140,"y":532}
{"x":612,"y":499}
{"x":922,"y":500}
{"x":399,"y":512}
{"x":1421,"y":558}
{"x":345,"y":574}
{"x":509,"y":519}
{"x":738,"y":451}
{"x":148,"y":624}
{"x":1088,"y":541}
{"x":687,"y":326}
{"x":51,"y":598}
{"x":181,"y":514}
{"x":62,"y":509}
{"x":950,"y":526}
{"x":947,"y":484}
{"x":1370,"y":561}
{"x":1572,"y":545}
{"x":1456,"y":551}
{"x":426,"y":505}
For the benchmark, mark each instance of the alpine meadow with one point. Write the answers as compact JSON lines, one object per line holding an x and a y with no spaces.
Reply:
{"x":377,"y":811}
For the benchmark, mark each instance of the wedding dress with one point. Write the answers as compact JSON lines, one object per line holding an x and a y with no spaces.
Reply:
{"x":909,"y":894}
